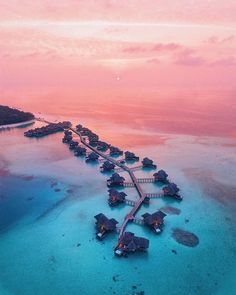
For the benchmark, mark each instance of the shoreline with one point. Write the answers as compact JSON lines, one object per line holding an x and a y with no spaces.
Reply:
{"x":15,"y":125}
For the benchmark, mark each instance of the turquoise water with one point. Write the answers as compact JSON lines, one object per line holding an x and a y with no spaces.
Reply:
{"x":48,"y":200}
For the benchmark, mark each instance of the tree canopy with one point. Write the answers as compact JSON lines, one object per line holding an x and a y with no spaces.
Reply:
{"x":11,"y":116}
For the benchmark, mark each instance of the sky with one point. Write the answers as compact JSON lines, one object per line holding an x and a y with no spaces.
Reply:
{"x":124,"y":45}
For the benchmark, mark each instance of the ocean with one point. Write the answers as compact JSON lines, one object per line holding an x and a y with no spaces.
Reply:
{"x":48,"y":200}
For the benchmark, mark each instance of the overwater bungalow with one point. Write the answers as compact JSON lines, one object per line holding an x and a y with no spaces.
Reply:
{"x":64,"y":124}
{"x":67,"y":138}
{"x":146,"y":200}
{"x":115,"y":180}
{"x":107,"y":166}
{"x":154,"y":221}
{"x":80,"y":151}
{"x":114,"y":151}
{"x":104,"y":225}
{"x":148,"y":163}
{"x":92,"y":157}
{"x":161,"y":176}
{"x":172,"y":190}
{"x":48,"y":129}
{"x":129,"y":243}
{"x":116,"y":197}
{"x":73,"y":144}
{"x":130,"y":156}
{"x":79,"y":127}
{"x":85,"y":131}
{"x":102,"y":145}
{"x":67,"y":132}
{"x":93,"y":139}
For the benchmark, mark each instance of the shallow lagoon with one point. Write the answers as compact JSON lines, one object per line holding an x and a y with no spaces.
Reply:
{"x":49,"y":197}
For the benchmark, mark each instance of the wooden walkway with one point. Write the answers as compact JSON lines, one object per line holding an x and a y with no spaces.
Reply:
{"x":129,"y":217}
{"x":135,"y":182}
{"x":118,"y":170}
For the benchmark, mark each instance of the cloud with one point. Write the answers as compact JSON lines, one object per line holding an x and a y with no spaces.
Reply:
{"x":135,"y":49}
{"x":166,"y":47}
{"x":218,"y":40}
{"x":188,"y":57}
{"x":225,"y":62}
{"x":153,"y":61}
{"x":159,"y":47}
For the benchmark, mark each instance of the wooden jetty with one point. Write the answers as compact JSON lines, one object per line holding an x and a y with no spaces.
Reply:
{"x":128,"y":184}
{"x":129,"y":217}
{"x":135,"y":182}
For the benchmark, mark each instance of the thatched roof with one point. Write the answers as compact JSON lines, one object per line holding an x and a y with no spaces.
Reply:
{"x":116,"y":178}
{"x":107,"y":165}
{"x":149,"y":219}
{"x":80,"y":150}
{"x":147,"y":161}
{"x":119,"y":196}
{"x":93,"y":156}
{"x":130,"y":156}
{"x":108,"y":224}
{"x":161,"y":175}
{"x":79,"y":127}
{"x":133,"y":243}
{"x":171,"y":189}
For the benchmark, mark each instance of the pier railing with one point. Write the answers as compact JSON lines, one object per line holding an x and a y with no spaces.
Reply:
{"x":154,"y":195}
{"x":128,"y":184}
{"x":130,"y":202}
{"x":138,"y":221}
{"x":145,"y":180}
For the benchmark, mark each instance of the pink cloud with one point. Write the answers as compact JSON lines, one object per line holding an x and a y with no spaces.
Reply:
{"x":166,"y":47}
{"x":135,"y":49}
{"x":159,"y":47}
{"x":218,"y":40}
{"x":201,"y":11}
{"x":153,"y":61}
{"x":189,"y":58}
{"x":225,"y":62}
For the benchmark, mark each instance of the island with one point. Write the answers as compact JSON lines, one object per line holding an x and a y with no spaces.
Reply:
{"x":13,"y":116}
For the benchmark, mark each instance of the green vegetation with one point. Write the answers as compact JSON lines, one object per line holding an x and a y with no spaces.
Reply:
{"x":13,"y":116}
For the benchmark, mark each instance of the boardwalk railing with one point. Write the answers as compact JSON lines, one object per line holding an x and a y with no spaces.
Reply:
{"x":130,"y":202}
{"x":138,"y":221}
{"x":145,"y":180}
{"x":128,"y":184}
{"x":154,"y":195}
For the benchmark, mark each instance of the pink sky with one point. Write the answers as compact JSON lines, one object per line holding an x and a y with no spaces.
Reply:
{"x":122,"y":44}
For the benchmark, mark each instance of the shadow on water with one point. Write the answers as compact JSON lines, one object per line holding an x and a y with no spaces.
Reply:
{"x":20,"y":198}
{"x":53,"y":207}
